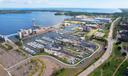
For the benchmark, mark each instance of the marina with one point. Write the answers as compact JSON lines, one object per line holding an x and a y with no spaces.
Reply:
{"x":24,"y":21}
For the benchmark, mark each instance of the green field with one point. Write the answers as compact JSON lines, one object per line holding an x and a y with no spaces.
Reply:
{"x":109,"y":67}
{"x":123,"y":67}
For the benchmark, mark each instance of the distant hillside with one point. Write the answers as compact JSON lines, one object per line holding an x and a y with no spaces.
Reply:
{"x":123,"y":14}
{"x":13,"y":11}
{"x":71,"y":11}
{"x":124,"y":10}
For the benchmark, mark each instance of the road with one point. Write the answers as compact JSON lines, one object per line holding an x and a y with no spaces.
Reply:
{"x":50,"y":57}
{"x":101,"y":60}
{"x":45,"y":56}
{"x":106,"y":55}
{"x":14,"y":47}
{"x":53,"y":58}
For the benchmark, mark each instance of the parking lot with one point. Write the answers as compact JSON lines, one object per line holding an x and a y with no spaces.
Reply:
{"x":63,"y":45}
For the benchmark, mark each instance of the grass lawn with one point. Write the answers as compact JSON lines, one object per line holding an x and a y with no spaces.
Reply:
{"x":108,"y":68}
{"x":91,"y":33}
{"x":123,"y":67}
{"x":6,"y":46}
{"x":66,"y":72}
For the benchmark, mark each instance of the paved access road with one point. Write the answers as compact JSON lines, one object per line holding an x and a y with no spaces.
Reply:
{"x":106,"y":55}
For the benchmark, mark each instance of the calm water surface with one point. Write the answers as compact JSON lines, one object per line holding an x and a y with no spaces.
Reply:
{"x":11,"y":23}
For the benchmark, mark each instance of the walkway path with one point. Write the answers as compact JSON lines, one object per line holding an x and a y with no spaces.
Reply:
{"x":4,"y":70}
{"x":53,"y":58}
{"x":106,"y":55}
{"x":120,"y":66}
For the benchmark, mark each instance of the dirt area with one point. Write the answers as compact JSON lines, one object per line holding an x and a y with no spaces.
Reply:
{"x":10,"y":57}
{"x":28,"y":68}
{"x":50,"y":66}
{"x":36,"y":66}
{"x":41,"y":66}
{"x":3,"y":72}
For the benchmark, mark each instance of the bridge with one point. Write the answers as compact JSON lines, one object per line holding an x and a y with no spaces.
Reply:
{"x":14,"y":34}
{"x":8,"y":35}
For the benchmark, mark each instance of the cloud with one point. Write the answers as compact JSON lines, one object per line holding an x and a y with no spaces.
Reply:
{"x":65,"y":3}
{"x":23,"y":1}
{"x":59,"y":4}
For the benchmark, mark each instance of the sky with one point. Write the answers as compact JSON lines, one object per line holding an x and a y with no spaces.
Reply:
{"x":64,"y":3}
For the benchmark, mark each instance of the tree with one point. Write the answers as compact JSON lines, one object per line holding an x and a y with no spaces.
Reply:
{"x":124,"y":54}
{"x":119,"y":48}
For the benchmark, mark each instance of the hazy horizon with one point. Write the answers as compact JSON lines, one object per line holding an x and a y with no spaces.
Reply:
{"x":63,"y":4}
